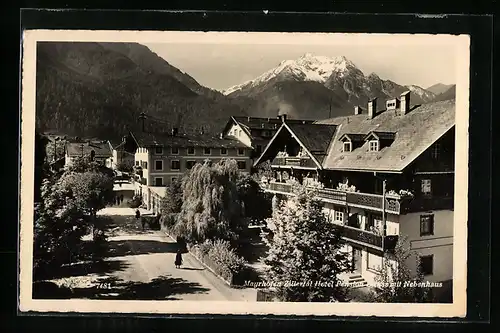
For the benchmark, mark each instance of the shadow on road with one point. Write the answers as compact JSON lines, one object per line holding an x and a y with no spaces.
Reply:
{"x":82,"y":269}
{"x":161,"y":288}
{"x":137,"y":247}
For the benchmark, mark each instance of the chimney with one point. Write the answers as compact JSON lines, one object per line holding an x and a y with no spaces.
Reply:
{"x":124,"y":138}
{"x":405,"y":102}
{"x":282,"y":117}
{"x":202,"y":130}
{"x":175,"y":131}
{"x":358,"y":110}
{"x":221,"y":136}
{"x":372,"y":108}
{"x":248,"y":118}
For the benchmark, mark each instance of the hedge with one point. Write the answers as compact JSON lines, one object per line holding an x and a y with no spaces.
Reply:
{"x":221,"y":258}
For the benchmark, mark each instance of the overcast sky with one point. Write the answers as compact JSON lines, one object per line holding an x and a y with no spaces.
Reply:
{"x":222,"y":65}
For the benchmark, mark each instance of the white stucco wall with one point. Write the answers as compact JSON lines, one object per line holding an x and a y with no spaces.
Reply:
{"x":238,"y":133}
{"x":142,"y":155}
{"x":440,"y":244}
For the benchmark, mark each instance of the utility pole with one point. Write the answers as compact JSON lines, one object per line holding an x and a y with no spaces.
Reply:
{"x":142,"y":118}
{"x":82,"y":146}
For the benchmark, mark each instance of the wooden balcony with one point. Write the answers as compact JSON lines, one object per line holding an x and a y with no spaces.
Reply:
{"x":279,"y":187}
{"x":294,"y":161}
{"x":354,"y":199}
{"x":367,"y":238}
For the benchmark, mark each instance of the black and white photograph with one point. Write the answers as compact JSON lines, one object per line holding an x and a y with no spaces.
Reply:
{"x":244,"y":172}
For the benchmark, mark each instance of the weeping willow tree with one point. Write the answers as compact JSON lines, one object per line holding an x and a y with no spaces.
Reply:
{"x":211,"y":208}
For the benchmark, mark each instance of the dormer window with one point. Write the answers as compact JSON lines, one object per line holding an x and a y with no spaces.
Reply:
{"x":373,"y":145}
{"x":347,"y":146}
{"x":378,"y":140}
{"x":351,"y":142}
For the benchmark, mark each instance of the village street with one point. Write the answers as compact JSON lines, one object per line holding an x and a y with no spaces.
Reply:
{"x":140,"y":265}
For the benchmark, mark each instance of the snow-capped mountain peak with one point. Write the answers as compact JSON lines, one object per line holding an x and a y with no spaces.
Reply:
{"x":306,"y":68}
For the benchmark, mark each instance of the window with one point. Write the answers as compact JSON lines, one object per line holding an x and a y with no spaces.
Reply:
{"x":159,"y":165}
{"x":436,"y":148}
{"x":347,"y":146}
{"x":426,"y":225}
{"x":242,"y":165}
{"x":426,"y":186}
{"x":145,"y":165}
{"x":265,"y":134}
{"x":427,"y":265}
{"x":190,"y":151}
{"x":373,"y":145}
{"x":373,"y":262}
{"x":175,"y":165}
{"x":174,"y":151}
{"x":239,"y":133}
{"x":137,"y":163}
{"x":338,"y":216}
{"x":241,"y":151}
{"x":190,"y":164}
{"x":158,"y":150}
{"x":223,"y":151}
{"x":207,"y":151}
{"x":158,"y":181}
{"x":174,"y":179}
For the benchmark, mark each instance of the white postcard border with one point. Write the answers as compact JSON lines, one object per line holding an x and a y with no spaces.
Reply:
{"x":456,"y":309}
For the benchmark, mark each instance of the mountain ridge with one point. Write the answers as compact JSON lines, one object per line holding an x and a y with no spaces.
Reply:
{"x":99,"y":89}
{"x":346,"y":86}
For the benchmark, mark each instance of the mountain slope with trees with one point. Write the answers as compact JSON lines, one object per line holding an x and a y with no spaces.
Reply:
{"x":99,"y":90}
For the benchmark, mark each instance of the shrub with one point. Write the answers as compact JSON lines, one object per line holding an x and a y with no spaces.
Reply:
{"x":219,"y":256}
{"x":135,"y":202}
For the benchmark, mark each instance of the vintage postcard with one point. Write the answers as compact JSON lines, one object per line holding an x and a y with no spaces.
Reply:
{"x":244,"y":173}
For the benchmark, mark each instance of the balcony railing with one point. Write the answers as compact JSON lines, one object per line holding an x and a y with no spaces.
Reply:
{"x":280,"y":187}
{"x":356,"y":199}
{"x":367,"y":238}
{"x":294,"y":161}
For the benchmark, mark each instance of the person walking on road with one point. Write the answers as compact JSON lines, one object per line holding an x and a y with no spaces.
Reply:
{"x":178,"y":259}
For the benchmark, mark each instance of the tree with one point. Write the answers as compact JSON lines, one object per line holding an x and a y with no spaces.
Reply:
{"x":91,"y":190}
{"x":91,"y":186}
{"x":210,"y":204}
{"x":55,"y":150}
{"x":398,"y":283}
{"x":263,"y":170}
{"x":256,"y":203}
{"x":304,"y":251}
{"x":59,"y":226}
{"x":171,"y":204}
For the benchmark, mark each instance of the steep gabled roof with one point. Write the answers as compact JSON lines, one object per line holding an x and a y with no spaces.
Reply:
{"x":315,"y":139}
{"x":258,"y":123}
{"x":146,"y":139}
{"x":414,"y":133}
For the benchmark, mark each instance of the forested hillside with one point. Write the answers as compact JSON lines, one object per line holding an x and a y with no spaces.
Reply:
{"x":93,"y":90}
